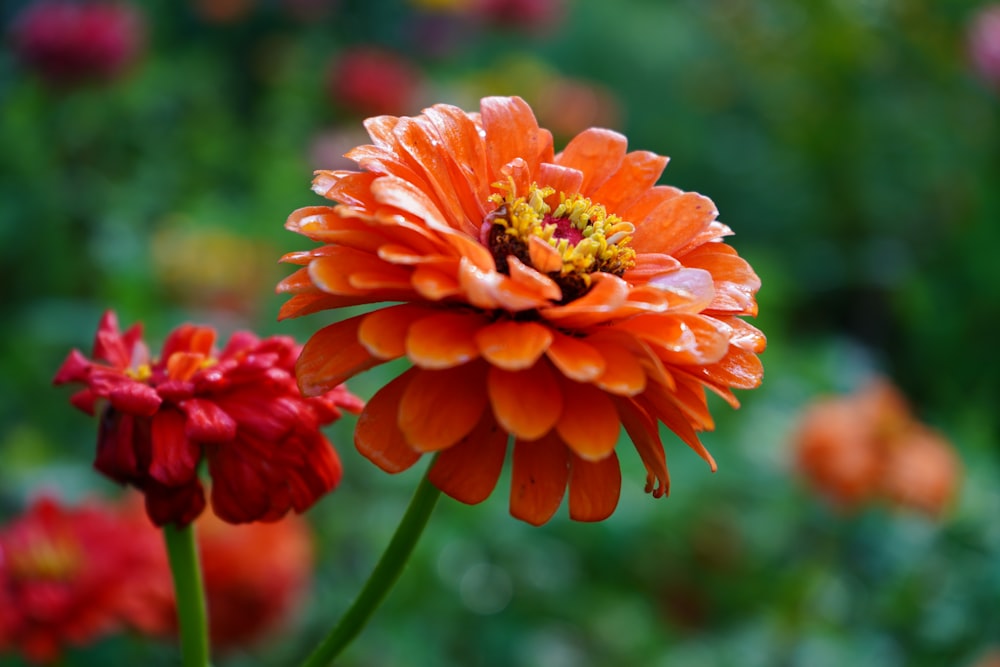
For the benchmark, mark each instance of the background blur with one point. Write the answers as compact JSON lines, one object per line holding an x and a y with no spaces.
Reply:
{"x":853,"y":146}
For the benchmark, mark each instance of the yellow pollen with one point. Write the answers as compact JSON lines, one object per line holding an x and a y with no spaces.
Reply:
{"x":142,"y":372}
{"x":46,"y":559}
{"x":586,"y":237}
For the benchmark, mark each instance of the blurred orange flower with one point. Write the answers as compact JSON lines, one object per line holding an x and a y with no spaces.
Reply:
{"x":554,"y":297}
{"x":255,"y":576}
{"x":69,"y":576}
{"x":867,"y":446}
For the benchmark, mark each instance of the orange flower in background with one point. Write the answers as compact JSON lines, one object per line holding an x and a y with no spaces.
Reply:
{"x":552,"y":297}
{"x":867,"y":446}
{"x":255,"y":577}
{"x":69,"y":576}
{"x":238,"y":408}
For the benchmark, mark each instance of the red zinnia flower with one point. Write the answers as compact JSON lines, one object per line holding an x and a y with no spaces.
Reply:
{"x":552,"y":297}
{"x":68,"y":42}
{"x":239,"y":409}
{"x":73,"y":575}
{"x":369,"y":80}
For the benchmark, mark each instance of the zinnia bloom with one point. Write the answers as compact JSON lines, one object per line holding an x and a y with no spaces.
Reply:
{"x":255,"y":576}
{"x":67,"y":42}
{"x":239,"y":409}
{"x":867,"y":446}
{"x":69,"y":576}
{"x":549,"y":297}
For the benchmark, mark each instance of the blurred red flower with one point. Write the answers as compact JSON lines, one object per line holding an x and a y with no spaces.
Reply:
{"x":255,"y":576}
{"x":550,"y":297}
{"x":984,"y":43}
{"x":68,"y":42}
{"x":69,"y":576}
{"x":369,"y":81}
{"x":867,"y":446}
{"x":239,"y":409}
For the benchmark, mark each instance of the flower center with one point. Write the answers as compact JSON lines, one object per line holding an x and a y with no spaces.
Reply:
{"x":578,"y":237}
{"x":45,"y":558}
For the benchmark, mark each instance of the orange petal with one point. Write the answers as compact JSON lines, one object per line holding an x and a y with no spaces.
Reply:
{"x":739,"y":368}
{"x":684,"y":290}
{"x":607,"y":294}
{"x":467,"y":155}
{"x":332,"y":355}
{"x":673,"y":223}
{"x":647,"y":202}
{"x":594,"y":488}
{"x":512,"y":132}
{"x":336,"y":270}
{"x":468,"y":471}
{"x":435,"y":284}
{"x":412,"y":136}
{"x":645,"y":436}
{"x":444,"y":340}
{"x":638,"y":172}
{"x":536,"y":283}
{"x":377,"y":435}
{"x":597,"y":153}
{"x":526,"y":403}
{"x":538,"y":480}
{"x":575,"y":358}
{"x":306,"y":304}
{"x":383,"y":332}
{"x":735,"y":281}
{"x":560,"y":179}
{"x":440,"y":407}
{"x":589,"y":423}
{"x":513,"y":345}
{"x":680,"y":338}
{"x":624,"y":373}
{"x":660,"y":406}
{"x":543,"y":257}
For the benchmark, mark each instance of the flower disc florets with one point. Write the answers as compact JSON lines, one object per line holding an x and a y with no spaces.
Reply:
{"x":580,"y":237}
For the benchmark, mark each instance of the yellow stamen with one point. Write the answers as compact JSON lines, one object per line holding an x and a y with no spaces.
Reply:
{"x":585,"y":236}
{"x":48,"y":559}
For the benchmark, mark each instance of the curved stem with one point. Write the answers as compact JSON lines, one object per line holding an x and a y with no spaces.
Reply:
{"x":191,"y":617}
{"x":382,"y":578}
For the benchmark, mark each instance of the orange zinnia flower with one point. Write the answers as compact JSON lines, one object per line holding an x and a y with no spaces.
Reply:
{"x":867,"y":446}
{"x":551,"y":297}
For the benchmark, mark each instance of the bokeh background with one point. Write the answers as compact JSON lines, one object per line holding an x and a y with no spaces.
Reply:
{"x":853,"y":146}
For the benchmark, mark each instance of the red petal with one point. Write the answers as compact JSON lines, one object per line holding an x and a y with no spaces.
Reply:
{"x":135,"y":398}
{"x":175,"y":456}
{"x":377,"y":435}
{"x":331,"y":356}
{"x":538,"y":480}
{"x":646,"y":437}
{"x":594,"y":488}
{"x":207,"y":422}
{"x":468,"y":471}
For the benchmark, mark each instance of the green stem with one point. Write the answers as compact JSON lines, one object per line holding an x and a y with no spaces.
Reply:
{"x":382,"y":578}
{"x":191,"y":617}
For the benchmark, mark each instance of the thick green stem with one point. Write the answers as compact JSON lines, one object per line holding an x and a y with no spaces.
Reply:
{"x":382,"y":578}
{"x":191,"y":617}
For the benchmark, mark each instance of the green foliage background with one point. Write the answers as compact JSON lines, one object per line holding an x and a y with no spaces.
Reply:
{"x":848,"y":144}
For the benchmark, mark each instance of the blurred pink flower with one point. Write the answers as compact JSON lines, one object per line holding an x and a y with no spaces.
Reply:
{"x":68,"y":42}
{"x":984,"y":43}
{"x":368,"y":81}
